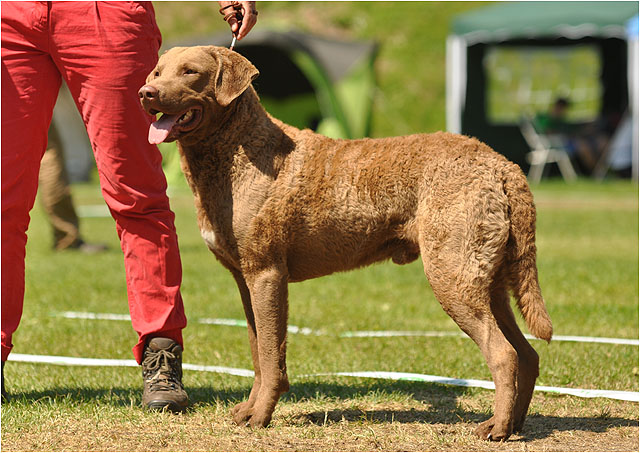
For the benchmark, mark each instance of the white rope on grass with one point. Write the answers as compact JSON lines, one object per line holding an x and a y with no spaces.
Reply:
{"x":352,"y":334}
{"x":389,"y":375}
{"x":82,"y":361}
{"x":403,"y":333}
{"x":88,"y":315}
{"x":400,"y":333}
{"x":93,"y":210}
{"x":583,"y":393}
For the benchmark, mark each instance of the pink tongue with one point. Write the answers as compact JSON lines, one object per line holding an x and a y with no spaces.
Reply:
{"x":159,"y":130}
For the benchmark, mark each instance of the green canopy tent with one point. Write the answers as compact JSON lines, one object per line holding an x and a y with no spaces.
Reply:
{"x":557,"y":41}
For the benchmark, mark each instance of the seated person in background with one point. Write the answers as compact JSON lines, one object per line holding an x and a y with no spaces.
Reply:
{"x":554,"y":121}
{"x":584,"y":144}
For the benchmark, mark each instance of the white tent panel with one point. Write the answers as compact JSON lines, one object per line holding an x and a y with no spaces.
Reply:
{"x":456,"y":83}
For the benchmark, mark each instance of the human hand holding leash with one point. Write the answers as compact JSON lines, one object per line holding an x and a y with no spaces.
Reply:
{"x":241,"y":16}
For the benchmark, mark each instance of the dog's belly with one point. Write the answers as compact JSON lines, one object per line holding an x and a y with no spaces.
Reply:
{"x":316,"y":257}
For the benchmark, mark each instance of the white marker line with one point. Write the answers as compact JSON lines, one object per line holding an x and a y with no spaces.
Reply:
{"x":218,"y":369}
{"x":353,"y":334}
{"x":399,"y":333}
{"x":242,"y":323}
{"x":87,"y":315}
{"x":211,"y":321}
{"x":81,"y":361}
{"x":223,"y":322}
{"x":589,"y":339}
{"x":93,"y":210}
{"x":583,"y":393}
{"x":404,"y":333}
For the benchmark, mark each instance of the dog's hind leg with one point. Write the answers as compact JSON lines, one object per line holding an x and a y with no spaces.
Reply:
{"x":268,"y":292}
{"x":528,"y":361}
{"x":463,"y":246}
{"x":502,"y":358}
{"x":240,"y":410}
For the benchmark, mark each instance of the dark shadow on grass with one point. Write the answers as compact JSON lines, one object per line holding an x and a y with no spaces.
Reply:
{"x":120,"y":397}
{"x":109,"y":396}
{"x":542,"y":426}
{"x":536,"y":426}
{"x":442,"y":402}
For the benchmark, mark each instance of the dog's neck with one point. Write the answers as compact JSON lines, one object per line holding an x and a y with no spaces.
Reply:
{"x":233,"y":139}
{"x":229,"y":169}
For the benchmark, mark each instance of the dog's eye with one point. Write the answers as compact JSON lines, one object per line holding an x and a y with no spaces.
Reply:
{"x":190,"y":71}
{"x":156,"y":74}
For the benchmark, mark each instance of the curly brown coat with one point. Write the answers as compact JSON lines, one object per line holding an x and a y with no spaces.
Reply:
{"x":277,"y":204}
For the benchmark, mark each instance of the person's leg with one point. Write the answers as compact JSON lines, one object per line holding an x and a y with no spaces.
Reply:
{"x":104,"y":77}
{"x":55,"y":195}
{"x":30,"y":84}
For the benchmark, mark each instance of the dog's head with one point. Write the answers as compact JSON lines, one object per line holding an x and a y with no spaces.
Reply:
{"x":191,"y":87}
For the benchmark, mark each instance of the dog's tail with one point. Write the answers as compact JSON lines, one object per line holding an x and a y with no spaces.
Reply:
{"x":521,"y":254}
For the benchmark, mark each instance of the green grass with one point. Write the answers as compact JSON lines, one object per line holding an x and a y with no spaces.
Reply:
{"x":588,"y":262}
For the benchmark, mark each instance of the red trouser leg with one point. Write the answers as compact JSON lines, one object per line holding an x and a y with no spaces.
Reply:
{"x":104,"y":52}
{"x":30,"y":84}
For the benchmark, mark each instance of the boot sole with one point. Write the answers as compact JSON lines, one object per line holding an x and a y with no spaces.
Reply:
{"x":161,"y":405}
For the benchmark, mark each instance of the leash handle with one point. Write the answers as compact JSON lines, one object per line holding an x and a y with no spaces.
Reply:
{"x":236,"y":11}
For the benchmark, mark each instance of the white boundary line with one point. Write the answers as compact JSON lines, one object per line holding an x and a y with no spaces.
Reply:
{"x":81,"y":361}
{"x":583,"y":393}
{"x":93,"y":210}
{"x":353,"y":334}
{"x":393,"y":333}
{"x":88,"y":315}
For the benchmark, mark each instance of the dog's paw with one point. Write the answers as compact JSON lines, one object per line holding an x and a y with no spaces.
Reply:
{"x":240,"y":407}
{"x":488,"y":430}
{"x":245,"y":415}
{"x":242,"y":417}
{"x":259,"y":420}
{"x":242,"y":413}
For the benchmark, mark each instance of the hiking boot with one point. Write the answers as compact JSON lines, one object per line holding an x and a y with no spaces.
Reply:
{"x":162,"y":374}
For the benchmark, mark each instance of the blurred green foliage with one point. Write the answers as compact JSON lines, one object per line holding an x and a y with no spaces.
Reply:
{"x":410,"y":67}
{"x":528,"y":81}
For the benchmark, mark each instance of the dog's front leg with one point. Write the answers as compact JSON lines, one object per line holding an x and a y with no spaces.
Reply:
{"x":268,"y":292}
{"x":241,"y":410}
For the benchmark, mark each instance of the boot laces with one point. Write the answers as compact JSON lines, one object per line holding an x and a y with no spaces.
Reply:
{"x":161,"y":370}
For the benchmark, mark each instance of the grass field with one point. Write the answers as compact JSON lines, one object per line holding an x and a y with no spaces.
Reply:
{"x":588,"y":261}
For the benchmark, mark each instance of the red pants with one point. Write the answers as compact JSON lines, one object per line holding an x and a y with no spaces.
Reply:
{"x":103,"y":51}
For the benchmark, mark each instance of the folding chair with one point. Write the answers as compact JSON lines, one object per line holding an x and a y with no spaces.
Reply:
{"x":544,"y":150}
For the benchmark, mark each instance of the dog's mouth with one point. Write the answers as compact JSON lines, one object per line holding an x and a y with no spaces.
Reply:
{"x":171,"y":126}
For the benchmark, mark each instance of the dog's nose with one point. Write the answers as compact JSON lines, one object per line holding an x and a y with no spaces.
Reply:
{"x":148,"y":92}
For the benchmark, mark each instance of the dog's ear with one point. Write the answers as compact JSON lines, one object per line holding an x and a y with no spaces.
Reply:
{"x":234,"y":75}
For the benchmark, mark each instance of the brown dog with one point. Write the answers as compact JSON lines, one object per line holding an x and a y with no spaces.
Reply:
{"x":276,"y":205}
